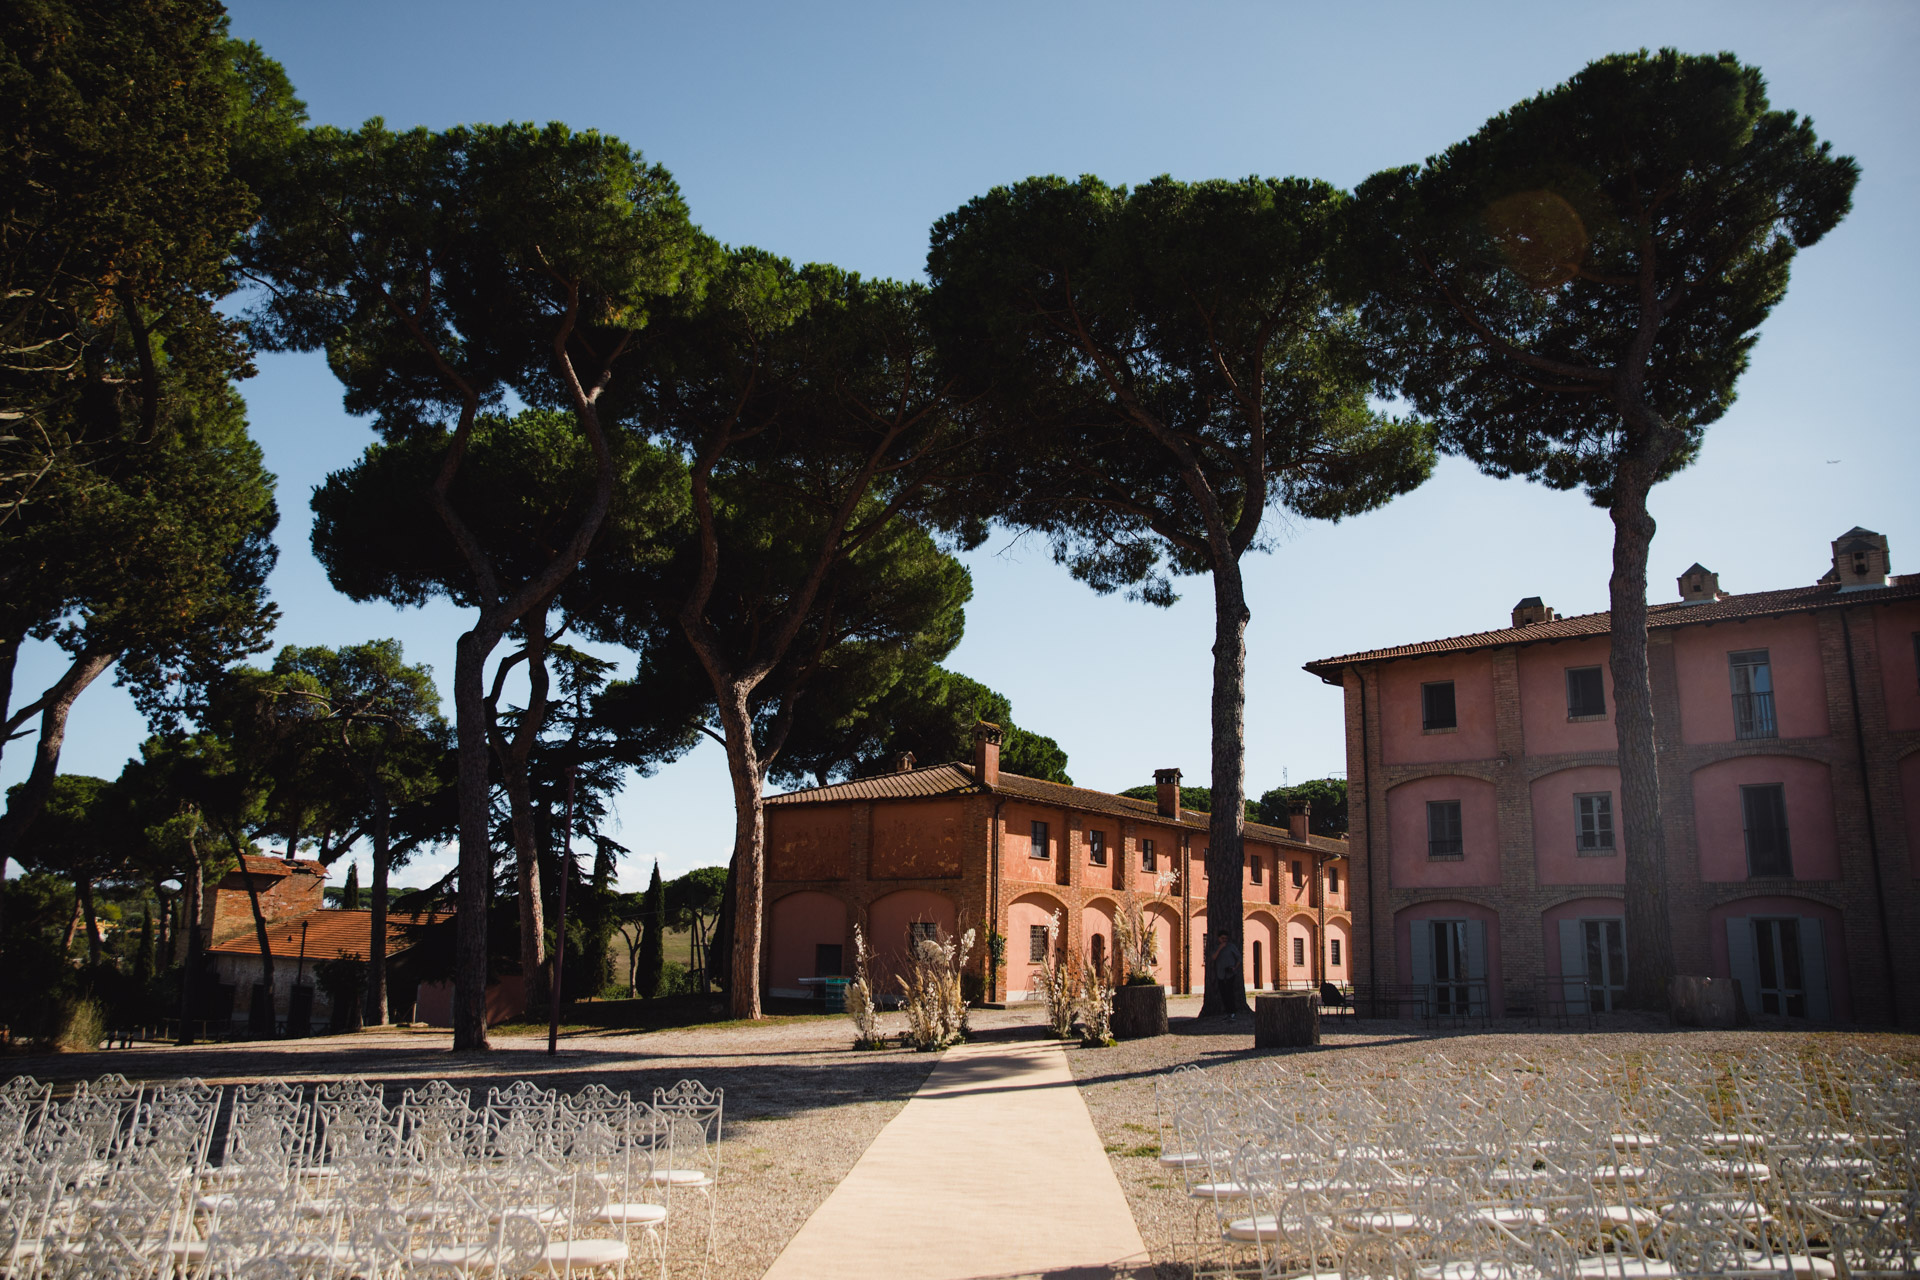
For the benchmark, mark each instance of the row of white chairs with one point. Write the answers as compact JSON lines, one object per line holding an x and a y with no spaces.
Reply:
{"x":323,"y":1181}
{"x":1669,"y":1163}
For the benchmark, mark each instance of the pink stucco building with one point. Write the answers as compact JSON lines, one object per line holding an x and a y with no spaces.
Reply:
{"x":963,"y":845}
{"x":1483,"y":786}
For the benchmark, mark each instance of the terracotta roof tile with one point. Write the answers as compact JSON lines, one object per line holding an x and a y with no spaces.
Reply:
{"x":1676,"y":613}
{"x":330,"y":933}
{"x":955,"y":779}
{"x":264,"y":865}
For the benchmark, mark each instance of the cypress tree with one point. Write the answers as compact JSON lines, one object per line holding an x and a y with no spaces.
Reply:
{"x":350,"y":895}
{"x":652,"y":941}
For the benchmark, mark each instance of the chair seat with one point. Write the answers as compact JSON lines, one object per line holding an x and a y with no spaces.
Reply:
{"x":1613,"y":1264}
{"x":1218,"y":1191}
{"x":188,"y":1250}
{"x":1617,"y":1215}
{"x":1635,"y":1141}
{"x":463,"y":1257}
{"x":1737,"y":1170}
{"x":546,"y":1215}
{"x":589,"y":1255}
{"x":1488,"y":1269}
{"x":1513,"y":1216}
{"x":1183,"y":1159}
{"x":1781,"y":1264}
{"x":1251,"y":1230}
{"x":680,"y":1178}
{"x":1733,"y":1141}
{"x":631,"y":1213}
{"x":1735,"y":1208}
{"x":1383,"y":1221}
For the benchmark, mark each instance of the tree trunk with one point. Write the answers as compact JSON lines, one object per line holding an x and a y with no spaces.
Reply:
{"x":1648,"y":925}
{"x":750,"y":868}
{"x":376,"y":999}
{"x":259,"y":922}
{"x":83,"y":885}
{"x":476,"y":847}
{"x":73,"y":928}
{"x":513,"y":757}
{"x":26,"y":802}
{"x":1226,"y":829}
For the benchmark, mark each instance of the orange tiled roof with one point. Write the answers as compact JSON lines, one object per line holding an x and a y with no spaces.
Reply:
{"x":330,"y":933}
{"x":1676,"y":613}
{"x":956,"y":779}
{"x":263,"y":865}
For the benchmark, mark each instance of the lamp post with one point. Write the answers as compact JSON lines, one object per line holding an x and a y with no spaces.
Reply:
{"x":560,"y":934}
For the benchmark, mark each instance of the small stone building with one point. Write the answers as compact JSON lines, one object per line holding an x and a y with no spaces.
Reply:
{"x":963,"y":845}
{"x":301,"y":931}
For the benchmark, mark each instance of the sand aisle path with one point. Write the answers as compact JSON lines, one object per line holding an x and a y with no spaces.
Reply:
{"x":992,"y":1169}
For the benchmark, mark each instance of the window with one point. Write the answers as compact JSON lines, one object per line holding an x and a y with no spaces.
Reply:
{"x":1333,"y":883}
{"x":921,"y":931}
{"x":1097,"y":848}
{"x":1253,"y":866}
{"x":1752,"y":677}
{"x":1146,"y":856}
{"x":1299,"y":874}
{"x":1037,"y":943}
{"x":1335,"y":945}
{"x":1586,"y":693}
{"x":1593,"y":822}
{"x":1039,"y":839}
{"x":1436,"y":706}
{"x":1765,"y":809}
{"x":1299,"y":953}
{"x":826,"y":959}
{"x":1443,"y":830}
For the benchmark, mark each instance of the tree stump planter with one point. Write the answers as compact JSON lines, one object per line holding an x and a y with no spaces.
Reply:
{"x":1139,"y":1012}
{"x":1286,"y":1020}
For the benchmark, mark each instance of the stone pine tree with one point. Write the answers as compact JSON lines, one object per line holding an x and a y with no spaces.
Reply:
{"x":443,"y":273}
{"x":1177,"y":369}
{"x":1571,"y":294}
{"x":521,"y":481}
{"x":135,"y":517}
{"x":820,"y":445}
{"x":653,"y":927}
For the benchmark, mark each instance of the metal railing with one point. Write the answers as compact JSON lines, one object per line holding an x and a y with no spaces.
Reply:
{"x":1753,"y":716}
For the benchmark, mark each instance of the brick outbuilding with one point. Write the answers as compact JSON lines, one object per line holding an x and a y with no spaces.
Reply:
{"x":963,"y":845}
{"x":1483,"y":781}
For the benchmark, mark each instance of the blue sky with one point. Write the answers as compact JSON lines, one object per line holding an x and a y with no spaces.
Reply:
{"x":840,"y":132}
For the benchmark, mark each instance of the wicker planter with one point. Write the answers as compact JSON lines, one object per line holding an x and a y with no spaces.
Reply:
{"x":1139,"y":1012}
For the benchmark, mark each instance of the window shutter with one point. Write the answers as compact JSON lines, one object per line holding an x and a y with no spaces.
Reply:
{"x":1421,"y":940}
{"x":1742,"y":960}
{"x":1573,"y":966}
{"x":1813,"y":969}
{"x":1476,"y":935}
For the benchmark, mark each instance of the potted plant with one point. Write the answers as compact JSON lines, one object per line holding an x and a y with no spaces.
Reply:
{"x":1139,"y":1002}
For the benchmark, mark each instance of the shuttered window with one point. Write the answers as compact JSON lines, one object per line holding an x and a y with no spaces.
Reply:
{"x":1443,"y":830}
{"x":1593,"y":822}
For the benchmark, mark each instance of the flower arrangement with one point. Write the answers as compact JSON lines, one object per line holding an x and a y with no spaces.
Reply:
{"x":860,"y":1006}
{"x":1060,"y":982}
{"x":931,"y":993}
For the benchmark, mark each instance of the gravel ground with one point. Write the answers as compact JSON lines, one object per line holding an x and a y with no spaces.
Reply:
{"x":801,"y":1105}
{"x":1117,"y":1082}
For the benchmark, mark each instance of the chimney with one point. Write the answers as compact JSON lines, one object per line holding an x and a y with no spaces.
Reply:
{"x":986,"y":754}
{"x":1860,"y":560}
{"x":1298,"y":811}
{"x":1166,"y":793}
{"x":903,"y":763}
{"x":1530,"y":611}
{"x":1700,"y":585}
